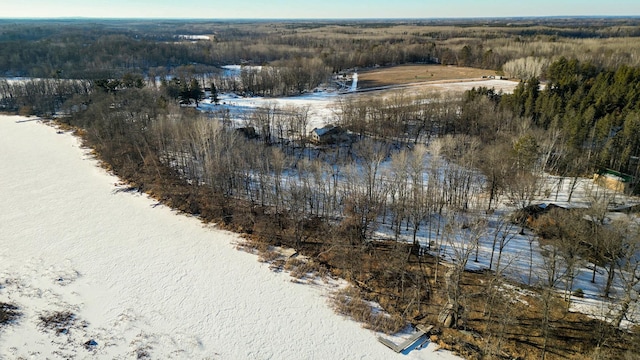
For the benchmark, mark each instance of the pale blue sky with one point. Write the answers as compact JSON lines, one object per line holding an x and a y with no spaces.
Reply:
{"x":215,"y":9}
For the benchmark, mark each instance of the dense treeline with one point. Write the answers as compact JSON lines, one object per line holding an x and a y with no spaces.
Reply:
{"x":594,"y":112}
{"x":96,"y":49}
{"x":284,"y":78}
{"x":40,"y":96}
{"x":103,"y":49}
{"x":106,"y":56}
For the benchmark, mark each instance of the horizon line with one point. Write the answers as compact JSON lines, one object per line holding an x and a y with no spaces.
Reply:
{"x":505,"y":17}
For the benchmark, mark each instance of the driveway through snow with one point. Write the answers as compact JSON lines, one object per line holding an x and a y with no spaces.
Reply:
{"x":143,"y":280}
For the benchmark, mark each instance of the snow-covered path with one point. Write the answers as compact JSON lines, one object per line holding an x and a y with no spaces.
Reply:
{"x":142,"y":279}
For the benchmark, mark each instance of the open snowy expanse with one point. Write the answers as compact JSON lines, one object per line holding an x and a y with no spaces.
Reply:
{"x":324,"y":107}
{"x":137,"y":280}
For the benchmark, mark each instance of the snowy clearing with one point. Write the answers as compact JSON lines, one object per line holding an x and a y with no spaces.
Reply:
{"x":323,"y":105}
{"x":194,"y":37}
{"x":139,"y":280}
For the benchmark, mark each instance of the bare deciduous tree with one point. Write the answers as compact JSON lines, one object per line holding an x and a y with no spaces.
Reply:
{"x":628,"y":273}
{"x":462,"y":236}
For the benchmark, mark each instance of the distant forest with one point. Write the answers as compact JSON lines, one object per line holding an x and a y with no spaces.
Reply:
{"x":110,"y":48}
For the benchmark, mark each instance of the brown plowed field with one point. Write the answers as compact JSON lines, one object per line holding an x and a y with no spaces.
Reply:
{"x":407,"y":74}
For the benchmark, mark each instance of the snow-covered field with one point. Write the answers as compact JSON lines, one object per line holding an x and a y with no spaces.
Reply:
{"x":141,"y":280}
{"x":322,"y":106}
{"x":194,"y":37}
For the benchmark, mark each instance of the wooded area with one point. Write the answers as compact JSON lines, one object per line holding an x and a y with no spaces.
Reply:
{"x":434,"y":164}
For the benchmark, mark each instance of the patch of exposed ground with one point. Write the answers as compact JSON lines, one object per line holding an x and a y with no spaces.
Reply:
{"x":409,"y":74}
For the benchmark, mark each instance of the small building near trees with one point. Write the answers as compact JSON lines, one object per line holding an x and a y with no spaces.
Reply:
{"x":329,"y":134}
{"x":614,"y":180}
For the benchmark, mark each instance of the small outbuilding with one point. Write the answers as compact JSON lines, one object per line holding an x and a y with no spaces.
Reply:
{"x":330,"y":134}
{"x":613,"y":180}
